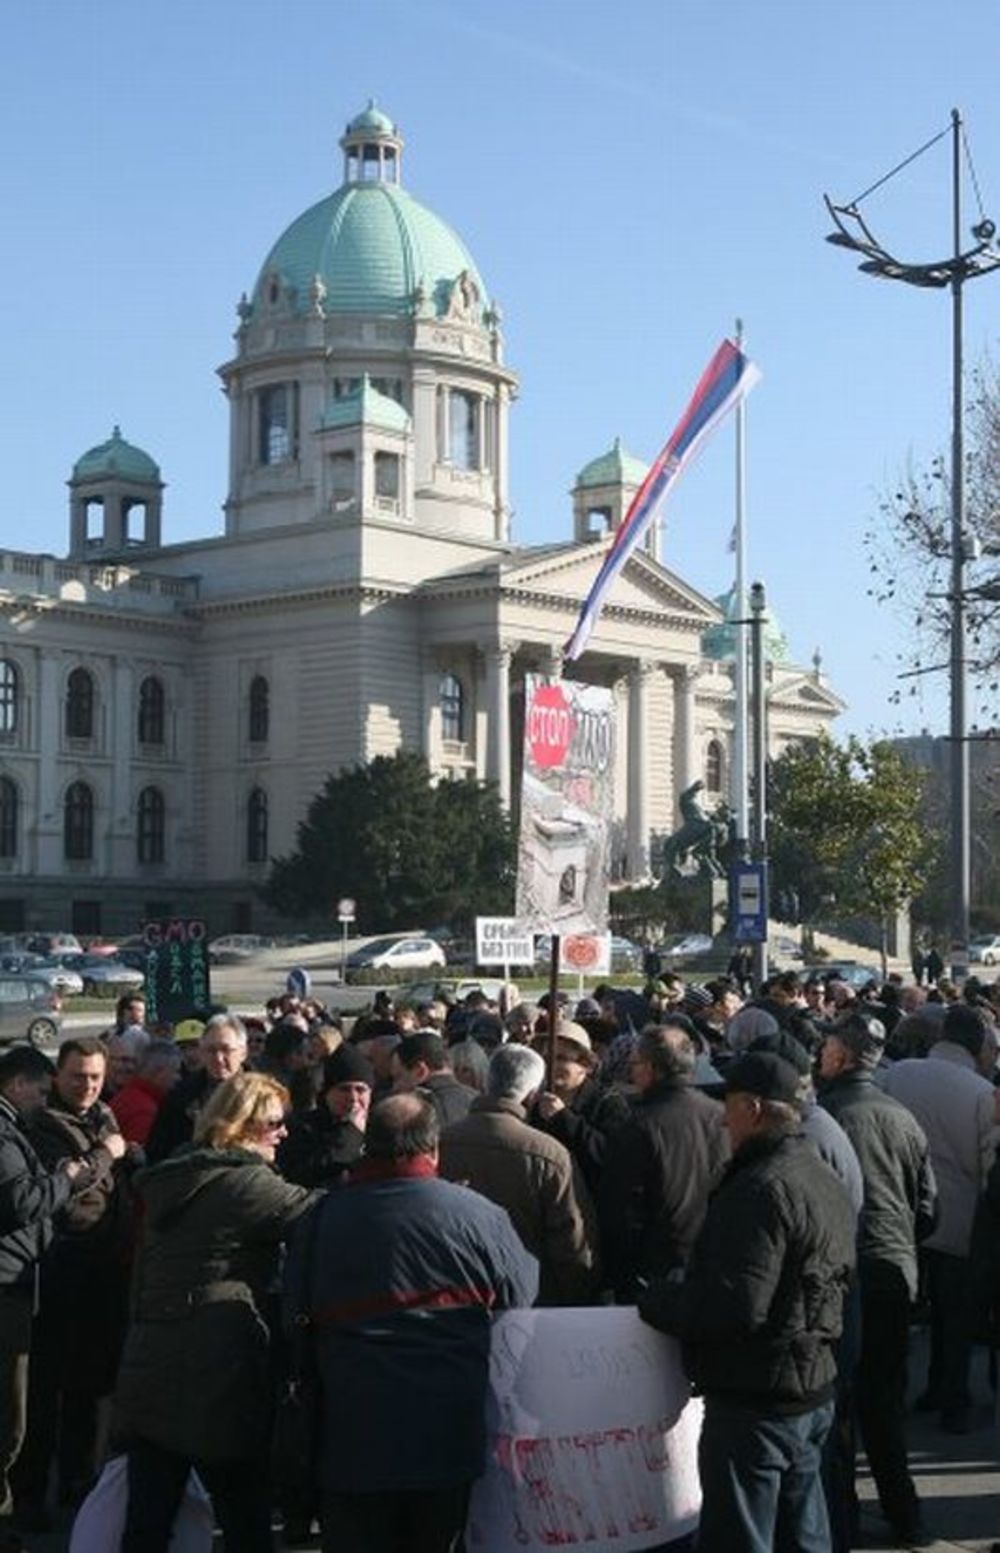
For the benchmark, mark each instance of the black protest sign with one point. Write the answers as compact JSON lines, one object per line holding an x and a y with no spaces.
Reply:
{"x":176,"y":950}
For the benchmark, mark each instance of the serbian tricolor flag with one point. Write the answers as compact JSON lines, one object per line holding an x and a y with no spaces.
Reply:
{"x":728,"y":377}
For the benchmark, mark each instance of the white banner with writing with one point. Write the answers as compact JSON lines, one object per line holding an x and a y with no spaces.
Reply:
{"x":592,"y":1435}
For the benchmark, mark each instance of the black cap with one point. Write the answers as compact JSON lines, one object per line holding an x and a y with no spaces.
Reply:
{"x":347,"y":1066}
{"x":763,"y":1074}
{"x":781,"y":1043}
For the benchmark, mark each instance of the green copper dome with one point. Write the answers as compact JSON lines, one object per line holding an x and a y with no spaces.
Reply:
{"x":370,"y":247}
{"x":719,"y":642}
{"x":616,"y":467}
{"x":117,"y":458}
{"x":371,"y":120}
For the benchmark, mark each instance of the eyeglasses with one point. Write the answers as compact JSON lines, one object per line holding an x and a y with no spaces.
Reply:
{"x":273,"y":1124}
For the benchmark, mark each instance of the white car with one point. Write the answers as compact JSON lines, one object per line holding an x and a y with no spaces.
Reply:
{"x":405,"y":953}
{"x":985,"y":949}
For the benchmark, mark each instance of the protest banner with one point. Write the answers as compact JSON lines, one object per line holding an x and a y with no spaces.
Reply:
{"x":504,"y":941}
{"x":592,"y":1436}
{"x":567,"y":796}
{"x":177,"y":971}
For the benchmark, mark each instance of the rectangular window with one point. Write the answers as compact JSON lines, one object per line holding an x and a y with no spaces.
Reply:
{"x":276,"y":424}
{"x":387,"y":475}
{"x":391,"y":387}
{"x":463,"y":429}
{"x":343,"y":484}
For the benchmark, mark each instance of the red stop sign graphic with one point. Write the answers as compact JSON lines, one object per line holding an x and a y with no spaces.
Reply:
{"x":550,"y":726}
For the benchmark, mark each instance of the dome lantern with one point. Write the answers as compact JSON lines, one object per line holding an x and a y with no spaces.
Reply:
{"x":373,"y":148}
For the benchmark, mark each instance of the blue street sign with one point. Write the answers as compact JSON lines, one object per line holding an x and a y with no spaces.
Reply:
{"x":748,"y":902}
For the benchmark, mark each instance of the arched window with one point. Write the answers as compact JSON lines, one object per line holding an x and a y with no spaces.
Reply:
{"x":151,"y":710}
{"x":78,"y":822}
{"x":257,"y":826}
{"x":260,"y":709}
{"x":452,"y":708}
{"x":151,"y":830}
{"x":713,"y":767}
{"x":8,"y":818}
{"x":8,"y":696}
{"x":80,"y":705}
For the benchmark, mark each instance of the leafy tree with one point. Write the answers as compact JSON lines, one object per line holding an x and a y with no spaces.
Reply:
{"x":909,"y":550}
{"x":846,"y":826}
{"x":405,"y":849}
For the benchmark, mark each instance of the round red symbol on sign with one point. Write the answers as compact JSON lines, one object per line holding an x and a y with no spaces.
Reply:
{"x":550,"y":726}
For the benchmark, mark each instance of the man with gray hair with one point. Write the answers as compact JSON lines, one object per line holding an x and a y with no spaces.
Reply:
{"x":222,"y":1051}
{"x":659,"y":1166}
{"x":497,"y":1152}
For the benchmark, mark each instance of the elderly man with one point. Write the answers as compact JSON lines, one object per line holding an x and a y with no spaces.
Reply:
{"x":898,"y":1212}
{"x":758,"y":1312}
{"x":222,"y":1049}
{"x":83,"y":1286}
{"x":137,"y":1103}
{"x":575,"y":1108}
{"x":324,"y":1143}
{"x":405,"y":1270}
{"x":660,"y":1165}
{"x":955,"y":1105}
{"x":497,"y":1152}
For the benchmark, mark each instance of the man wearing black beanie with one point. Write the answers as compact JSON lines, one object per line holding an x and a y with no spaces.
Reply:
{"x":322,"y":1146}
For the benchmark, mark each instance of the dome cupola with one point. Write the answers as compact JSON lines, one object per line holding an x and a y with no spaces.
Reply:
{"x":373,"y":148}
{"x":115,"y":500}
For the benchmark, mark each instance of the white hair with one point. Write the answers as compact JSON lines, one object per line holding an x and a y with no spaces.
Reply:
{"x":515,"y":1073}
{"x":225,"y":1022}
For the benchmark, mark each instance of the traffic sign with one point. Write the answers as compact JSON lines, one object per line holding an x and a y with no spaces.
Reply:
{"x":550,"y":726}
{"x":346,"y":909}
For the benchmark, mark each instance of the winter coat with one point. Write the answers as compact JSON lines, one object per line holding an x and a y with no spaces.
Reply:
{"x":900,"y":1197}
{"x":450,"y":1098}
{"x":29,"y":1197}
{"x":195,"y":1373}
{"x":405,"y":1270}
{"x":136,"y":1106}
{"x":585,"y":1124}
{"x":659,"y":1169}
{"x":496,"y":1152}
{"x":955,"y":1106}
{"x":177,"y":1115}
{"x":319,"y":1149}
{"x":95,"y":1224}
{"x":760,"y":1305}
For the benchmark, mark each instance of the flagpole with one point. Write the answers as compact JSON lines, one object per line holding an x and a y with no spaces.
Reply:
{"x":741,"y":786}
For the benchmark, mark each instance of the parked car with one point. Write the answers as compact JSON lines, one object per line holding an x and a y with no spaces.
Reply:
{"x":693,"y":944}
{"x":52,"y":943}
{"x":29,"y":1010}
{"x":405,"y":953}
{"x":55,"y":975}
{"x":985,"y":949}
{"x":852,"y":971}
{"x":237,"y":948}
{"x":103,"y":975}
{"x":452,"y":987}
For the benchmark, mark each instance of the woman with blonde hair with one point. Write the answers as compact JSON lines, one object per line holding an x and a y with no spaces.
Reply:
{"x":194,"y":1385}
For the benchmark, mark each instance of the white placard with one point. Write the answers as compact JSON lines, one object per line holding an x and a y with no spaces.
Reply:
{"x":593,"y":1437}
{"x":503,"y":941}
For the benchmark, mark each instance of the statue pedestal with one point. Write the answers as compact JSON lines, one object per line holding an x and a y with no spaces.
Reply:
{"x":701,"y":904}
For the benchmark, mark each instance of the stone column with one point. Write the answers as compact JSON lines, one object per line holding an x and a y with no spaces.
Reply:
{"x":498,"y":660}
{"x":685,"y":765}
{"x":425,"y":431}
{"x":637,"y":861}
{"x":501,"y":507}
{"x":431,"y":681}
{"x":48,"y":814}
{"x":120,"y":857}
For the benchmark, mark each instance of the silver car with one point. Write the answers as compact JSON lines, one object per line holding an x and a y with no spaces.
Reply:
{"x":44,"y":968}
{"x":102,"y":973}
{"x":29,"y":1010}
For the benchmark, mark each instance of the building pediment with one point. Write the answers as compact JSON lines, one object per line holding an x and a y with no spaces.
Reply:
{"x":643,"y":585}
{"x":803,"y":692}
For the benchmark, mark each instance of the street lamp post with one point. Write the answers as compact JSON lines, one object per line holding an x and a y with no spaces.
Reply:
{"x":854,"y":233}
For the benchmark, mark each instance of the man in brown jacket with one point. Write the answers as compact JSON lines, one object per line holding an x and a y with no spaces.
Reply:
{"x":496,"y":1152}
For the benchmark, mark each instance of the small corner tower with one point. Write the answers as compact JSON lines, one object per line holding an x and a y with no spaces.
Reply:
{"x":603,"y":492}
{"x":116,"y":499}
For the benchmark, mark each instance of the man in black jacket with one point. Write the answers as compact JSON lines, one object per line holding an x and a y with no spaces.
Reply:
{"x":421,"y":1062}
{"x":758,"y":1312}
{"x":574,"y":1107}
{"x":659,"y":1166}
{"x":222,"y":1052}
{"x":29,"y":1196}
{"x":899,"y":1211}
{"x":322,"y":1145}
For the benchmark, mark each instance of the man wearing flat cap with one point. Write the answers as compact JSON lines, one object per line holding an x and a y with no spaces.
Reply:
{"x":758,"y":1312}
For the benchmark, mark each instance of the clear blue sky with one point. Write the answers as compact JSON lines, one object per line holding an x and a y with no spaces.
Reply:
{"x":630,"y":179}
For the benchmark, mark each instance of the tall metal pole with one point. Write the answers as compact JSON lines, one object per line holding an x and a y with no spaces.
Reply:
{"x":758,"y":603}
{"x":741,"y":782}
{"x":960,"y":869}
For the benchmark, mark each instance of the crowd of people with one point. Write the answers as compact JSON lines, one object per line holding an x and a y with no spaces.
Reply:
{"x":779,"y":1179}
